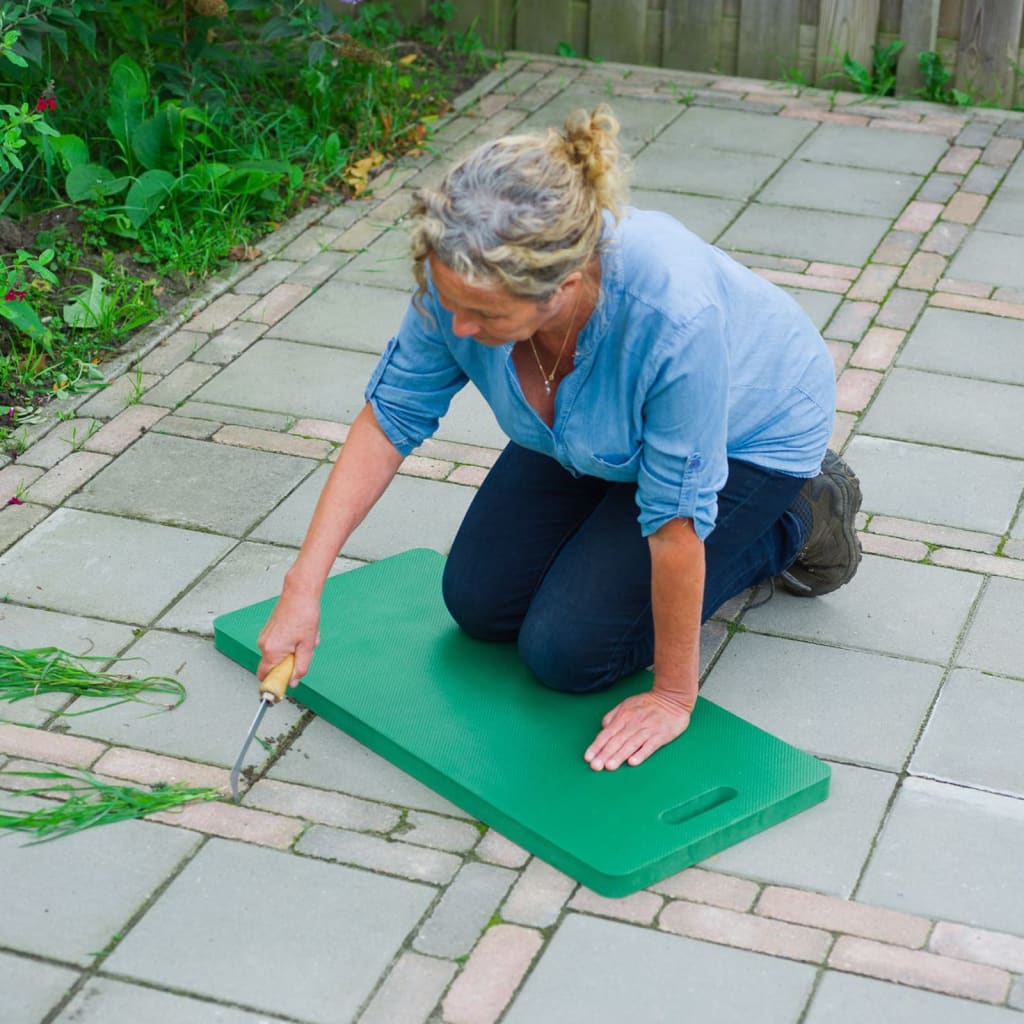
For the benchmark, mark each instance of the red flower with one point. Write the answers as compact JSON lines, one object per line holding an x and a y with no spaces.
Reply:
{"x":15,"y":501}
{"x":15,"y":295}
{"x":46,"y":103}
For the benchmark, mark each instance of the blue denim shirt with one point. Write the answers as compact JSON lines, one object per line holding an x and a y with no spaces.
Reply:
{"x":689,"y":358}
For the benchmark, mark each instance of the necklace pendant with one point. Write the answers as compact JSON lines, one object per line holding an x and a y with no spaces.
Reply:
{"x":547,"y":386}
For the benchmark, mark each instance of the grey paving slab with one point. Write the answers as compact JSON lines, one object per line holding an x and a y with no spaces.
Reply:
{"x":967,"y":345}
{"x":973,"y":735}
{"x":937,"y":485}
{"x":180,"y":481}
{"x":67,"y":899}
{"x":385,"y":263}
{"x":703,"y":215}
{"x":824,"y":848}
{"x":995,"y":642}
{"x":802,"y":183}
{"x":327,"y":758}
{"x":952,"y":853}
{"x":413,"y":513}
{"x":881,"y":149}
{"x":714,"y":172}
{"x":250,"y":573}
{"x":1005,"y":212}
{"x":123,"y":569}
{"x":937,"y":409}
{"x":219,"y":692}
{"x":323,"y":910}
{"x":464,"y":910}
{"x":847,"y":999}
{"x":604,"y":972}
{"x":736,"y":130}
{"x":990,"y":257}
{"x":824,"y":700}
{"x":329,"y":384}
{"x":26,"y":628}
{"x":819,"y":306}
{"x":106,"y":1001}
{"x":806,"y":234}
{"x":344,"y":314}
{"x":30,"y":989}
{"x":892,"y":607}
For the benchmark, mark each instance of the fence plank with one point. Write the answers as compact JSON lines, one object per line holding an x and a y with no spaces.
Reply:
{"x":988,"y":35}
{"x":919,"y":29}
{"x":542,"y":24}
{"x":889,"y":18}
{"x":491,"y":19}
{"x":618,"y":30}
{"x":846,"y":26}
{"x":769,"y":38}
{"x":692,"y":34}
{"x":950,"y":13}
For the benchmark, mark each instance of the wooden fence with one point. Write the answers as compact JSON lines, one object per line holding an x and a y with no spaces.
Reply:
{"x":979,"y":41}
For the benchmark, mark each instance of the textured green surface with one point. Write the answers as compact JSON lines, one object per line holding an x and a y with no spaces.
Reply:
{"x":467,"y":719}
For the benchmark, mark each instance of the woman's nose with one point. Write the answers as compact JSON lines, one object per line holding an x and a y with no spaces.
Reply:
{"x":464,"y":326}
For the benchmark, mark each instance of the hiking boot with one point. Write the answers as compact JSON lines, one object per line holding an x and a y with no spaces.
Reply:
{"x":832,"y":552}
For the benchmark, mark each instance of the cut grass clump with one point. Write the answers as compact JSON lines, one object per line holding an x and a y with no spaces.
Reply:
{"x":87,"y":801}
{"x":41,"y":670}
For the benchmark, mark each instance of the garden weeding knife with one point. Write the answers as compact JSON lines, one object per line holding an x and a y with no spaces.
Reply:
{"x":272,"y":689}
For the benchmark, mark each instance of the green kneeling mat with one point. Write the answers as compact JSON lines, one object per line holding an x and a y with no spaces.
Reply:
{"x":470,"y":721}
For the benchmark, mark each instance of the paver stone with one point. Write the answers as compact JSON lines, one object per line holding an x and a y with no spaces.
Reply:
{"x":716,"y":173}
{"x":842,"y":189}
{"x":881,"y":149}
{"x":1005,"y":213}
{"x":989,"y":257}
{"x":30,"y":989}
{"x":385,"y":263}
{"x":819,"y":306}
{"x":220,"y":912}
{"x":703,"y":215}
{"x":735,"y":130}
{"x":990,"y":645}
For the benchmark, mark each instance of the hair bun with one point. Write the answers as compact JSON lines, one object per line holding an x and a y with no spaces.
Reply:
{"x":590,"y":140}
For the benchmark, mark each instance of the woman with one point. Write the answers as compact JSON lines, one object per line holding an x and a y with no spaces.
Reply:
{"x":669,"y":412}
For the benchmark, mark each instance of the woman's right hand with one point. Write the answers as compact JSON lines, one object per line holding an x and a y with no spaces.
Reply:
{"x":293,"y":628}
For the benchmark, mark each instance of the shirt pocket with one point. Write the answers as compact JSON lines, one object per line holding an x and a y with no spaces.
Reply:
{"x":620,"y":467}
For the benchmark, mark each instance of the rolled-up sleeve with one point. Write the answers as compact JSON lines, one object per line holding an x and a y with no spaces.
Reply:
{"x":415,"y":381}
{"x":683,"y":461}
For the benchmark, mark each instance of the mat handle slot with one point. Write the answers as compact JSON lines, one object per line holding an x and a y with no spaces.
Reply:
{"x":697,"y":805}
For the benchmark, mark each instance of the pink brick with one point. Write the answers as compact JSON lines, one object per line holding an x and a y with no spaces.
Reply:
{"x":495,"y":848}
{"x":16,"y":477}
{"x":640,"y":908}
{"x":959,"y":160}
{"x":273,"y":441}
{"x":539,"y":895}
{"x":819,"y":284}
{"x":851,"y":321}
{"x":972,"y":289}
{"x":49,"y":747}
{"x":841,"y":430}
{"x":877,"y":348}
{"x":233,"y":822}
{"x":321,"y":806}
{"x":276,"y":303}
{"x":501,"y":959}
{"x":410,"y":991}
{"x":840,"y":354}
{"x":142,"y":766}
{"x":945,"y":238}
{"x":897,"y":247}
{"x":928,"y":533}
{"x":965,"y":207}
{"x":984,"y":947}
{"x":124,"y":429}
{"x":471,"y":476}
{"x":453,"y":452}
{"x":925,"y":127}
{"x":221,"y":312}
{"x":920,"y":970}
{"x":67,"y":476}
{"x":924,"y":269}
{"x":824,"y":116}
{"x":973,"y":561}
{"x":875,"y":282}
{"x":700,"y":886}
{"x":919,"y":216}
{"x":840,"y":270}
{"x":838,"y":915}
{"x":428,"y":469}
{"x":973,"y":305}
{"x":892,"y":547}
{"x":1001,"y":152}
{"x":745,"y":931}
{"x":325,"y":430}
{"x":855,"y":389}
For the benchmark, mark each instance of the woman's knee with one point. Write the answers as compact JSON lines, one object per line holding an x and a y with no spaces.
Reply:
{"x":559,"y":662}
{"x":472,"y":601}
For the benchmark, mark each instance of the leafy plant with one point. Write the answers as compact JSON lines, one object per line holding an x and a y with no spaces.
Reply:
{"x":42,"y":670}
{"x":87,"y":801}
{"x":880,"y":78}
{"x":936,"y":81}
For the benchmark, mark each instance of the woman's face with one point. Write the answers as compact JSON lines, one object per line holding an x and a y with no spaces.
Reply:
{"x":489,"y":315}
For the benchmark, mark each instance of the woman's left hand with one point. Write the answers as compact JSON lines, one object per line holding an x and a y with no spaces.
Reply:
{"x":636,"y":728}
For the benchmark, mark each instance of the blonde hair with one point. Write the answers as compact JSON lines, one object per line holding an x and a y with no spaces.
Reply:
{"x":524,"y":211}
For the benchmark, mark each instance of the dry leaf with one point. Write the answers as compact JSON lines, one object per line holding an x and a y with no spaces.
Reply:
{"x":408,"y":58}
{"x":357,"y":175}
{"x":244,"y":253}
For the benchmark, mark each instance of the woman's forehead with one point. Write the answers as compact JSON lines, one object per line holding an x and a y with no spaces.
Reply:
{"x":452,"y":287}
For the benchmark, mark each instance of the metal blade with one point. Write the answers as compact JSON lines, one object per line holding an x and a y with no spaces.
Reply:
{"x":236,"y":771}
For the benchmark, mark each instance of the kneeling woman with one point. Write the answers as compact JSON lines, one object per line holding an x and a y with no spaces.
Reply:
{"x":668,"y":411}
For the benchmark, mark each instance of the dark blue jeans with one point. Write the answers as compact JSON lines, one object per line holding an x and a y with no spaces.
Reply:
{"x":557,"y":563}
